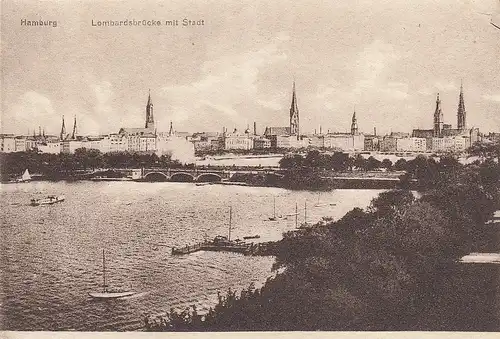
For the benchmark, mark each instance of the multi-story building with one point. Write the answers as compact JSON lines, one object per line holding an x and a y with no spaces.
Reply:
{"x":71,"y":145}
{"x":20,"y":144}
{"x":52,"y":146}
{"x":114,"y":143}
{"x":206,"y":141}
{"x":451,"y":140}
{"x":7,"y":143}
{"x":142,"y":139}
{"x":315,"y":141}
{"x":411,"y":144}
{"x":344,"y":141}
{"x":289,"y":141}
{"x":371,"y":143}
{"x":272,"y":133}
{"x":236,"y":140}
{"x":261,"y":143}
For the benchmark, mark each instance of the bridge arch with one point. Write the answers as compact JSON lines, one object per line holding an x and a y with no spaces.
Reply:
{"x":209,"y":177}
{"x":155,"y":176}
{"x":182,"y":177}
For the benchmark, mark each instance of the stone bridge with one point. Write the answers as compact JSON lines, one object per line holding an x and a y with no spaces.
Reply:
{"x":189,"y":174}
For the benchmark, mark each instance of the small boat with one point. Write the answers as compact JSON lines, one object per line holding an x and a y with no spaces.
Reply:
{"x":274,"y":217}
{"x":50,"y":200}
{"x":26,"y":177}
{"x":324,"y":204}
{"x":108,"y":294}
{"x":251,"y":237}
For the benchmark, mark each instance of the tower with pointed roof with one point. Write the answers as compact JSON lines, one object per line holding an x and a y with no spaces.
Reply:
{"x":294,"y":115}
{"x":438,"y":118}
{"x":150,"y":121}
{"x":63,"y":130}
{"x":75,"y":133}
{"x":171,"y":131}
{"x":354,"y":124}
{"x":461,"y":113}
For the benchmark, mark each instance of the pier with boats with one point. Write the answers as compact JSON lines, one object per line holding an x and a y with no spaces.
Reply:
{"x":223,"y":244}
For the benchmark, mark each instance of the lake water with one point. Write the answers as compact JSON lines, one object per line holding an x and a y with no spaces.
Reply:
{"x":52,"y":255}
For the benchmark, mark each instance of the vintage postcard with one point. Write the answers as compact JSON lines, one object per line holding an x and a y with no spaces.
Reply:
{"x":241,"y":166}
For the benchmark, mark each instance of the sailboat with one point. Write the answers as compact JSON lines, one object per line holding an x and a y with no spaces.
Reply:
{"x":26,"y":177}
{"x":318,"y":204}
{"x":305,"y":224}
{"x":274,"y":217}
{"x":107,"y":294}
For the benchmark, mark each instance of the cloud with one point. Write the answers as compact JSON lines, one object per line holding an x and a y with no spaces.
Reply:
{"x":274,"y":104}
{"x":396,"y":90}
{"x":372,"y":64}
{"x":491,"y":97}
{"x":445,"y":86}
{"x":226,"y":83}
{"x":31,"y":110}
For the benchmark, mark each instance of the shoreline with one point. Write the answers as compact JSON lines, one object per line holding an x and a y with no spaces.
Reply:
{"x":333,"y":183}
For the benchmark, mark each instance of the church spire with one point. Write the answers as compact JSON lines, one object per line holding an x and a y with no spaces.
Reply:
{"x":63,"y":130}
{"x":438,"y":118}
{"x":171,"y":131}
{"x":74,"y":134}
{"x":294,"y":114}
{"x":354,"y":124}
{"x":461,"y":113}
{"x":150,"y":121}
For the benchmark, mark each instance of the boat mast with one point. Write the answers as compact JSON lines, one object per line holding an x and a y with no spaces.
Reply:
{"x":305,"y":212}
{"x":230,"y":217}
{"x":296,"y":214}
{"x":103,"y":271}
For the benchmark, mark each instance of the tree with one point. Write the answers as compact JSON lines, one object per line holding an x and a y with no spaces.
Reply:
{"x":485,"y":150}
{"x":401,"y":165}
{"x":291,"y":161}
{"x":339,"y":161}
{"x":391,"y":202}
{"x":372,"y":164}
{"x":360,"y":162}
{"x":387,"y":164}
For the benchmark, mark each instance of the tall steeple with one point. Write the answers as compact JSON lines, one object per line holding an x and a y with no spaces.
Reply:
{"x":171,"y":131}
{"x":63,"y":130}
{"x":461,"y":113}
{"x":438,"y":118}
{"x":354,"y":124}
{"x":294,"y":115}
{"x":150,"y":121}
{"x":75,"y":133}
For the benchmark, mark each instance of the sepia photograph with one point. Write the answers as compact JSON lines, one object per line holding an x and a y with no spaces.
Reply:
{"x":249,"y":166}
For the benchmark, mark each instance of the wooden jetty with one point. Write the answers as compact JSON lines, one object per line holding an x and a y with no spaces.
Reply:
{"x":264,"y":248}
{"x":225,"y":244}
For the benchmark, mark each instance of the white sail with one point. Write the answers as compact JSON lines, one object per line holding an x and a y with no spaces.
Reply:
{"x":26,"y":176}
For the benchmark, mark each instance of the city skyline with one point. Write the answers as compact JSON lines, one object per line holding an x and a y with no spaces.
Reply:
{"x":206,"y":78}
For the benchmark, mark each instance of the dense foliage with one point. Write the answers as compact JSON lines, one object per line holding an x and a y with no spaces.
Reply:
{"x":393,"y":266}
{"x":63,"y":165}
{"x":337,"y":161}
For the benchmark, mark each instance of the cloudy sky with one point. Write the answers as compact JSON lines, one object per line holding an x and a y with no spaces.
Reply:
{"x":388,"y":59}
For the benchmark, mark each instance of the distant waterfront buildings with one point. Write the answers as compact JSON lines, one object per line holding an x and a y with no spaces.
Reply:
{"x":441,"y":138}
